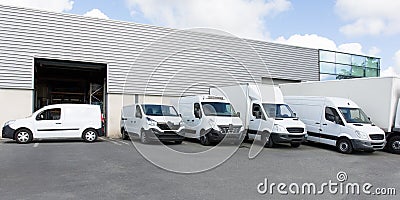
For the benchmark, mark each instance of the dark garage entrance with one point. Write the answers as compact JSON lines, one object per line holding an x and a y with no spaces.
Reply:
{"x":59,"y":81}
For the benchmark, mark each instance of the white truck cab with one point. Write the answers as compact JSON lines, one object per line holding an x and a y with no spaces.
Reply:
{"x":57,"y":121}
{"x":152,"y":122}
{"x":338,"y":122}
{"x":210,"y":119}
{"x":265,"y":115}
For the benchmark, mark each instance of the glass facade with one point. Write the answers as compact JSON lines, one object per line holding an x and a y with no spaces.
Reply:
{"x":337,"y":65}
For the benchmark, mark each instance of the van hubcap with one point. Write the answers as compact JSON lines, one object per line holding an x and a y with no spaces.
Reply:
{"x":23,"y":136}
{"x":396,"y":145}
{"x":90,"y":135}
{"x":344,"y":146}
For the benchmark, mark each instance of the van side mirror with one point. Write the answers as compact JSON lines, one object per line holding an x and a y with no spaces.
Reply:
{"x":337,"y":120}
{"x":197,"y":114}
{"x":294,"y":114}
{"x":180,"y":115}
{"x":238,"y":114}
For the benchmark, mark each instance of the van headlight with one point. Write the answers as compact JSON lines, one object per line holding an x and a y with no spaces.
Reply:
{"x":9,"y":122}
{"x":151,"y":122}
{"x":278,"y":129}
{"x":361,"y":135}
{"x":212,"y":123}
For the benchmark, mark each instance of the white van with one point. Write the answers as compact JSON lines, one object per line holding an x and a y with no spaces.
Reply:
{"x":152,"y":122}
{"x":57,"y":121}
{"x":210,"y":119}
{"x":264,"y":113}
{"x":338,"y":122}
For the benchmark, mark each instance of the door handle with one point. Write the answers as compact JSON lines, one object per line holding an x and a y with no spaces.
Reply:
{"x":192,"y":120}
{"x":324,"y":124}
{"x":252,"y":120}
{"x":134,"y":122}
{"x":58,"y":123}
{"x":188,"y":120}
{"x":317,"y":123}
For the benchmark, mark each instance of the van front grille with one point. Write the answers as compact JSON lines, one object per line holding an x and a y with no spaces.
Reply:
{"x":295,"y":130}
{"x":167,"y":126}
{"x":377,"y":136}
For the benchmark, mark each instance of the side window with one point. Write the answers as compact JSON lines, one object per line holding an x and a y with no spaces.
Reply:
{"x":138,"y":112}
{"x":332,"y":115}
{"x":197,"y":110}
{"x":50,"y":114}
{"x":257,"y":113}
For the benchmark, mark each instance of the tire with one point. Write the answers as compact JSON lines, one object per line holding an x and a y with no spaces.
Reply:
{"x":205,"y":140}
{"x":23,"y":136}
{"x":295,"y":145}
{"x":178,"y":142}
{"x":270,"y":143}
{"x":125,"y":135}
{"x":143,"y":137}
{"x":344,"y":146}
{"x":89,"y":135}
{"x":394,"y":144}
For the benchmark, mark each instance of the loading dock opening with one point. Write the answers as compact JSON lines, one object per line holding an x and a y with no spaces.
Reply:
{"x":58,"y":81}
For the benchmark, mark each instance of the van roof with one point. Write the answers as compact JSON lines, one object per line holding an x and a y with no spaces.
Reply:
{"x":72,"y":105}
{"x":332,"y":101}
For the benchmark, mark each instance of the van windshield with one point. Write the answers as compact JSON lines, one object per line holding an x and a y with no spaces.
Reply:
{"x":218,"y":109}
{"x":354,"y":115}
{"x":278,"y":110}
{"x":159,"y":110}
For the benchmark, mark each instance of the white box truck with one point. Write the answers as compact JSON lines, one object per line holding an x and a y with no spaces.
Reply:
{"x":152,"y":122}
{"x":338,"y":122}
{"x":210,"y":119}
{"x":57,"y":121}
{"x":378,"y":97}
{"x":264,"y":113}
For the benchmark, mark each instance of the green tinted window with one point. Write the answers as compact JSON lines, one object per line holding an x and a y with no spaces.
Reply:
{"x":343,"y":69}
{"x":343,"y":58}
{"x":357,"y":71}
{"x":372,"y":62}
{"x":370,"y":72}
{"x":327,"y":56}
{"x":358,"y":60}
{"x":328,"y":68}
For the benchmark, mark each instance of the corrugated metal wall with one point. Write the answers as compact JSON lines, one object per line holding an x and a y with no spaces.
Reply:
{"x":152,"y":59}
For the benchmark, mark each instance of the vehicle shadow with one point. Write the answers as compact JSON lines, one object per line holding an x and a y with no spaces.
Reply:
{"x":334,"y":149}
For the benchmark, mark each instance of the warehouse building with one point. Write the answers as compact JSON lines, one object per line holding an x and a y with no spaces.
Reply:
{"x":48,"y":58}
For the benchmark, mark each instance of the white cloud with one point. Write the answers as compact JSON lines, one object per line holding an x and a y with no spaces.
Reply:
{"x":319,"y":42}
{"x":369,"y":17}
{"x":51,"y":5}
{"x":244,"y":18}
{"x":390,"y":71}
{"x":396,"y":58}
{"x":96,"y":13}
{"x":373,"y":51}
{"x":308,"y":40}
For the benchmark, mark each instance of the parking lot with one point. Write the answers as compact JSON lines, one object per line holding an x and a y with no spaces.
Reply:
{"x":113,"y":169}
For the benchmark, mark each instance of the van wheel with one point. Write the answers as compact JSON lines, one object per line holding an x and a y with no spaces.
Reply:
{"x":295,"y":145}
{"x":143,"y":137}
{"x":125,"y":135}
{"x":394,"y":144}
{"x":270,"y":142}
{"x":344,"y":146}
{"x":23,"y":136}
{"x":89,"y":135}
{"x":204,"y":140}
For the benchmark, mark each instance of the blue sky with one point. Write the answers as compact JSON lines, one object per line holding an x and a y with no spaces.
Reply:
{"x":370,"y":27}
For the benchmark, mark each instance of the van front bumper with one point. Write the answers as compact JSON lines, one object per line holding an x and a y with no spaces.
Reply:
{"x":7,"y":132}
{"x":287,"y":138}
{"x":217,"y":136}
{"x":363,"y":145}
{"x":166,"y":136}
